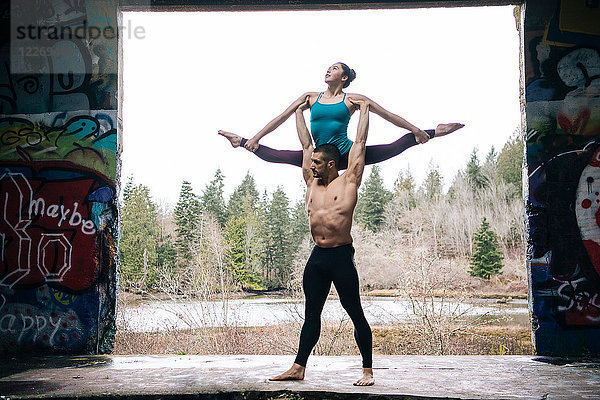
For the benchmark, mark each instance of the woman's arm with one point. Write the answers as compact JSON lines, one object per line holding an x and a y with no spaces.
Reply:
{"x":420,"y":136}
{"x":252,"y":144}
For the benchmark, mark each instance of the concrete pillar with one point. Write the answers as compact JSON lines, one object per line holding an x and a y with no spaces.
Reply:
{"x":562,"y":78}
{"x":59,"y":176}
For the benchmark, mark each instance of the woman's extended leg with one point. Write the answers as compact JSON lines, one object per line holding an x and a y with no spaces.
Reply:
{"x":373,"y":154}
{"x":292,"y":157}
{"x":382,"y":152}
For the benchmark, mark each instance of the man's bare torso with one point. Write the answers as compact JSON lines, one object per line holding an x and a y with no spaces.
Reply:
{"x":330,"y":210}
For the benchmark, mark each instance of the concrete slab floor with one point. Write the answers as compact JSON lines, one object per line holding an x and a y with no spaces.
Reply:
{"x":246,"y":377}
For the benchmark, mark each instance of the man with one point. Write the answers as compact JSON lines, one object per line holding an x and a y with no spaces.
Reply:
{"x":330,"y":202}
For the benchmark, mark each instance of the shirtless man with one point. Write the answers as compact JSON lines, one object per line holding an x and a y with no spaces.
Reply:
{"x":330,"y":202}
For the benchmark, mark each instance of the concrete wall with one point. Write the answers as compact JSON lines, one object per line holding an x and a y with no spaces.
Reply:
{"x":562,"y":74}
{"x":59,"y":176}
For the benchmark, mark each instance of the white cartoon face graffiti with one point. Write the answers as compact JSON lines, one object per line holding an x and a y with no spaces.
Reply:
{"x":581,"y":69}
{"x":587,"y":208}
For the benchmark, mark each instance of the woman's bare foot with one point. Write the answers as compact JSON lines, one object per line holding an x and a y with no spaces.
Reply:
{"x":234,"y":139}
{"x":444,"y":129}
{"x":367,"y":378}
{"x":296,"y":373}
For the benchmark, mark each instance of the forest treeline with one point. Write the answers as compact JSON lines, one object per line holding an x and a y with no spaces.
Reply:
{"x":258,"y":241}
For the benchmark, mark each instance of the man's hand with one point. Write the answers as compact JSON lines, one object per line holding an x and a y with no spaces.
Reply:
{"x":363,"y":120}
{"x":305,"y":105}
{"x":251,"y":144}
{"x":421,"y":136}
{"x":359,"y":103}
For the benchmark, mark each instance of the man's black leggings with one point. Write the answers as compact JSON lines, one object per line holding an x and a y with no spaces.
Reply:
{"x":326,"y":265}
{"x":373,"y":154}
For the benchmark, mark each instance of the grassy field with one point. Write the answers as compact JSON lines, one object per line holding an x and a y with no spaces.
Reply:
{"x":335,"y":340}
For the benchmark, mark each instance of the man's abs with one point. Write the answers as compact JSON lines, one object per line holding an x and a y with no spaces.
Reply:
{"x":330,"y":210}
{"x":329,"y":229}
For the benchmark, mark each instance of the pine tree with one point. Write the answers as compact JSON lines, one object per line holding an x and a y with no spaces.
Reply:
{"x":299,"y":222}
{"x":166,"y":250}
{"x":244,"y":234}
{"x":405,"y":187}
{"x":459,"y":181}
{"x":166,"y":255}
{"x":139,"y":237}
{"x":187,"y":219}
{"x":279,"y":246}
{"x":372,"y":200}
{"x":475,"y":173}
{"x":490,"y":165}
{"x":212,"y":199}
{"x":486,"y":260}
{"x":128,"y":188}
{"x":244,"y":198}
{"x":241,"y":238}
{"x":433,"y":184}
{"x":510,"y":162}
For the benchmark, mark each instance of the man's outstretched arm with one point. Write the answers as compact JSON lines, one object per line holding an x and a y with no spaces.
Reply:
{"x":305,"y":140}
{"x":356,"y":157}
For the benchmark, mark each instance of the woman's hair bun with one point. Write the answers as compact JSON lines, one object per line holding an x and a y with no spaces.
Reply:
{"x":349,"y":72}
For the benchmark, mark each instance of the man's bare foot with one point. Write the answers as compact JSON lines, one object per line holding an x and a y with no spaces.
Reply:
{"x":444,"y":129}
{"x":367,"y":378}
{"x":296,"y":373}
{"x":234,"y":139}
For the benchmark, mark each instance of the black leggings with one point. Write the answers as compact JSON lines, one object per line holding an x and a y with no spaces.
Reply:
{"x":326,"y":265}
{"x":373,"y":154}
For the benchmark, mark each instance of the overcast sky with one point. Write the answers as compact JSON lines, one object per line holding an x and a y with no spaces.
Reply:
{"x":195,"y":73}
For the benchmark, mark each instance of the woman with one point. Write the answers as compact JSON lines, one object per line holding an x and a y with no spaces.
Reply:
{"x":330,"y":114}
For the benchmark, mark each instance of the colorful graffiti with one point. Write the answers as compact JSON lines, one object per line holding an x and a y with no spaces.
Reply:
{"x":563,"y":157}
{"x":59,"y":179}
{"x":58,"y":223}
{"x":44,"y":322}
{"x":51,"y":219}
{"x":57,"y":75}
{"x":86,"y":140}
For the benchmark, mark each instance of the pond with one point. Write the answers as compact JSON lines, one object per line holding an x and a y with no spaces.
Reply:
{"x":263,"y":310}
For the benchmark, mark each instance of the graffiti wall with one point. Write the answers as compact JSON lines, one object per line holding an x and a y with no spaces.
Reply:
{"x":562,"y":60}
{"x":59,"y":176}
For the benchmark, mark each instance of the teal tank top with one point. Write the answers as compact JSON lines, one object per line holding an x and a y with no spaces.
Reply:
{"x":329,"y":124}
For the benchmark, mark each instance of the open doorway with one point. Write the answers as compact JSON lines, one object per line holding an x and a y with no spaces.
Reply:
{"x":194,"y":73}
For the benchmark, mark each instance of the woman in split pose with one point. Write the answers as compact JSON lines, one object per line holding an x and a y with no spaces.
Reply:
{"x":330,"y":115}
